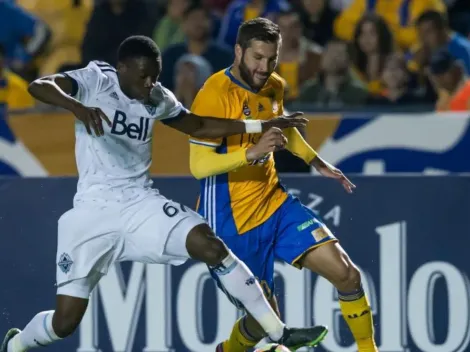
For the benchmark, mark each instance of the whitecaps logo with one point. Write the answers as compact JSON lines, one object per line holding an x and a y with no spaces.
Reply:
{"x":425,"y":143}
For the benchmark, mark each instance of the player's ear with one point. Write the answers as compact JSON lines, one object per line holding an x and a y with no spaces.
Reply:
{"x":238,"y":53}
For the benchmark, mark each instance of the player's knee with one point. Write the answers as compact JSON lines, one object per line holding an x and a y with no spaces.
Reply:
{"x":203,"y":245}
{"x":348,"y":278}
{"x":215,"y":252}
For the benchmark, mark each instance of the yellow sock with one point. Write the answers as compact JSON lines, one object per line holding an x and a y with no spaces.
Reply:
{"x":357,"y":313}
{"x":237,"y":342}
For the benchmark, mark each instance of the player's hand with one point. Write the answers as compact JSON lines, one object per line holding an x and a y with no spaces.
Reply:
{"x":285,"y":121}
{"x":328,"y":170}
{"x":269,"y":142}
{"x":92,"y":118}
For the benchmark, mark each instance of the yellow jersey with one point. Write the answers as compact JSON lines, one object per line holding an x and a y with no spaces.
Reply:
{"x":400,"y":16}
{"x":243,"y":199}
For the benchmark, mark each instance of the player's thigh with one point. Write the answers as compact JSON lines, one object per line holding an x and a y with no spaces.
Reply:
{"x":86,"y":242}
{"x":299,"y":231}
{"x":157,"y":229}
{"x":255,"y":249}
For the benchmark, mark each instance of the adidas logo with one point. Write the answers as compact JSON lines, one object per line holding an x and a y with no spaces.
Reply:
{"x":114,"y":95}
{"x":260,"y":107}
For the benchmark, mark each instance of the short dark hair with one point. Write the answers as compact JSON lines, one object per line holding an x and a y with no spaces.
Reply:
{"x":438,"y":19}
{"x":138,"y":46}
{"x":258,"y":29}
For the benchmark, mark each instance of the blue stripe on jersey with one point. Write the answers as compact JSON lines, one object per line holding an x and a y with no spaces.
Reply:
{"x":215,"y":203}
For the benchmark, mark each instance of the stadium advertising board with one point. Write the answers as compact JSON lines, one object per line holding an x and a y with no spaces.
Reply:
{"x":409,"y":235}
{"x":43,"y":144}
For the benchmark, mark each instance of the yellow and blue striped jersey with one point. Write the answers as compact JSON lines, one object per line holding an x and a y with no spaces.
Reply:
{"x":242,"y":199}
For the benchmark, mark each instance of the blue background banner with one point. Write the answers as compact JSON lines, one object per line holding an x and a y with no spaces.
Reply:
{"x":409,"y":236}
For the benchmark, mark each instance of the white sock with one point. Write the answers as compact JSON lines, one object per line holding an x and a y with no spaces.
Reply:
{"x":37,"y":333}
{"x":240,"y":283}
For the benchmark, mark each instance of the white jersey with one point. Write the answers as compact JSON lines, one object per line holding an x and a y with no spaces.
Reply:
{"x":115,"y":166}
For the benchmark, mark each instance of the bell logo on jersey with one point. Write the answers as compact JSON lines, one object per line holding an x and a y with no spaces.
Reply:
{"x":132,"y":130}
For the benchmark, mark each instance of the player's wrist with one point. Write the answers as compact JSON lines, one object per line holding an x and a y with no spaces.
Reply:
{"x":253,"y":126}
{"x":73,"y":105}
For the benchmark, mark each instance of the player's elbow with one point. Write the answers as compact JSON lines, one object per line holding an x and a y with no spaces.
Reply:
{"x":196,"y":169}
{"x":34,"y":87}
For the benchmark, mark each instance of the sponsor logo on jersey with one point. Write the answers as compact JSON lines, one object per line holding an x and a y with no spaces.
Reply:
{"x":138,"y":131}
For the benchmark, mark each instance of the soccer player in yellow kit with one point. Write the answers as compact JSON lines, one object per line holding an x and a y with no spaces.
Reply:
{"x":243,"y":200}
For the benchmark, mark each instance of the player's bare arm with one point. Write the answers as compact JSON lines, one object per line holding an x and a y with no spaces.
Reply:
{"x":212,"y":127}
{"x":57,"y":90}
{"x":328,"y":170}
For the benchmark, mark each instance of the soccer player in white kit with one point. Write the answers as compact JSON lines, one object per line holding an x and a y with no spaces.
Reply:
{"x":116,"y":215}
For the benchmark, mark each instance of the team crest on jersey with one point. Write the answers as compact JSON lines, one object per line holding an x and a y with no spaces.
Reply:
{"x":151,"y":109}
{"x":246,"y":109}
{"x":260,"y":107}
{"x":275,"y":106}
{"x":65,"y":263}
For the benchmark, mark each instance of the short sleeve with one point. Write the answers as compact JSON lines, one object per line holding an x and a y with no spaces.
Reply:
{"x":169,"y":106}
{"x":209,"y":103}
{"x":86,"y":82}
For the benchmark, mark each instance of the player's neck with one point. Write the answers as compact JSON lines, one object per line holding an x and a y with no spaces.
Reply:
{"x":235,"y":71}
{"x":125,"y":91}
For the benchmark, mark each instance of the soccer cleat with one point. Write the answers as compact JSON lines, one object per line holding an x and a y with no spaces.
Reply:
{"x":295,"y":338}
{"x":10,"y":334}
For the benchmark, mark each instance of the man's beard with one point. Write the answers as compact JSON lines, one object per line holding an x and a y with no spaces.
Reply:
{"x":247,"y":77}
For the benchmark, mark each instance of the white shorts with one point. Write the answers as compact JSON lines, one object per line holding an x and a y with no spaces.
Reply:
{"x":92,"y":238}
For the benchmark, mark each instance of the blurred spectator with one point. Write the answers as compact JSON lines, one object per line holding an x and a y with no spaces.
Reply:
{"x":336,"y":86}
{"x":373,"y":43}
{"x":191,"y":71}
{"x":299,"y":59}
{"x":22,"y":36}
{"x":459,"y":16}
{"x":244,"y":10}
{"x":67,"y":21}
{"x":400,"y":15}
{"x":435,"y":34}
{"x":111,"y":22}
{"x":317,"y":18}
{"x":339,"y":5}
{"x":169,"y":29}
{"x":449,"y":77}
{"x":197,"y":28}
{"x":13,"y":89}
{"x":218,"y":6}
{"x":396,"y":78}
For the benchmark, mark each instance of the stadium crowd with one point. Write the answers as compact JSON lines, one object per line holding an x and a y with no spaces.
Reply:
{"x":335,"y":54}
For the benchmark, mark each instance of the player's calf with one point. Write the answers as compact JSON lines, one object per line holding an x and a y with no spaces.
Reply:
{"x":47,"y":327}
{"x":332,"y":262}
{"x":238,"y":280}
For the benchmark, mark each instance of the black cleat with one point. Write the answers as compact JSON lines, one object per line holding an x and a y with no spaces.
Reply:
{"x":10,"y":334}
{"x":295,"y":338}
